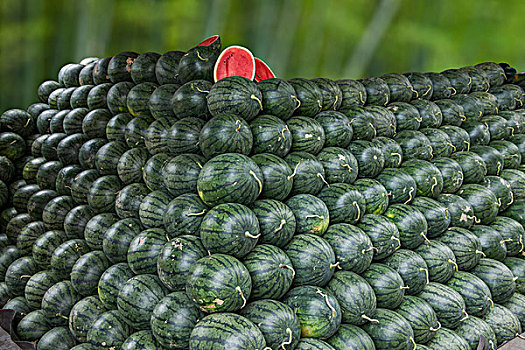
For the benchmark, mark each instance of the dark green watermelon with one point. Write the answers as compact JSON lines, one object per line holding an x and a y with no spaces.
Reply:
{"x":450,"y":338}
{"x":308,"y":173}
{"x":459,"y":80}
{"x":421,"y":84}
{"x":37,"y":203}
{"x":12,"y":145}
{"x":278,"y":97}
{"x":184,"y":215}
{"x":498,"y":127}
{"x":459,"y":138}
{"x":309,"y":96}
{"x":270,"y":135}
{"x":225,"y":133}
{"x":390,"y":331}
{"x":160,"y":102}
{"x":387,"y":284}
{"x":332,"y":95}
{"x":362,"y":122}
{"x":128,"y":200}
{"x":56,"y":210}
{"x":313,"y":344}
{"x":87,"y":270}
{"x":138,"y":98}
{"x":354,"y":93}
{"x":392,"y":151}
{"x":492,"y":243}
{"x":429,"y":113}
{"x":370,"y":158}
{"x":505,"y":324}
{"x":167,"y":67}
{"x":427,"y":176}
{"x":411,"y":224}
{"x":83,"y":314}
{"x":108,"y":330}
{"x":58,"y":301}
{"x":311,"y":214}
{"x":517,"y":266}
{"x":277,"y":176}
{"x":352,"y":247}
{"x":190,"y":100}
{"x":383,"y":119}
{"x":58,"y":338}
{"x":460,"y":210}
{"x":512,"y":233}
{"x":236,"y":95}
{"x":439,"y":141}
{"x":437,"y":215}
{"x":119,"y":66}
{"x":492,"y":158}
{"x":375,"y":194}
{"x":377,"y":91}
{"x":344,"y":202}
{"x":501,"y":189}
{"x":447,"y":303}
{"x":339,"y":164}
{"x":411,"y":267}
{"x":383,"y":233}
{"x":110,"y":283}
{"x":66,"y":254}
{"x":18,"y":273}
{"x":72,"y":122}
{"x":482,"y":200}
{"x":28,"y":235}
{"x":80,"y":95}
{"x":86,"y":154}
{"x":96,"y":229}
{"x":116,"y":126}
{"x":421,"y":317}
{"x":407,"y":116}
{"x":511,"y":153}
{"x":68,"y":148}
{"x":351,"y":337}
{"x":497,"y":277}
{"x":38,"y":285}
{"x":516,"y":305}
{"x":136,"y":129}
{"x":184,"y":136}
{"x":144,"y":249}
{"x":103,"y":192}
{"x":440,"y":260}
{"x":143,"y":68}
{"x":152,"y":208}
{"x":465,"y":245}
{"x":130,"y":164}
{"x":473,"y":328}
{"x":337,"y":128}
{"x":400,"y":87}
{"x":33,"y":326}
{"x":117,"y":97}
{"x":277,"y":222}
{"x":516,"y":179}
{"x":475,"y":292}
{"x":45,"y":245}
{"x":307,"y":133}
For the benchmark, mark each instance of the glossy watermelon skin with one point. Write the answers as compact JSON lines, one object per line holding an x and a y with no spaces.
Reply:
{"x":66,"y":254}
{"x":33,"y":326}
{"x":421,"y":317}
{"x":449,"y":337}
{"x":331,"y":93}
{"x":226,"y":329}
{"x":309,"y":95}
{"x":116,"y":126}
{"x":128,"y":200}
{"x":102,"y":193}
{"x":376,"y":196}
{"x":167,"y":66}
{"x":176,"y":258}
{"x":136,"y":129}
{"x":270,"y":135}
{"x":475,"y":293}
{"x":28,"y":235}
{"x":168,"y":328}
{"x":407,"y":116}
{"x":308,"y":173}
{"x":384,"y":121}
{"x":184,"y":215}
{"x":277,"y":321}
{"x":362,"y":122}
{"x":45,"y":245}
{"x":354,"y":93}
{"x":411,"y":224}
{"x":516,"y":179}
{"x":383,"y":233}
{"x":152,"y":208}
{"x":230,"y":228}
{"x":517,"y":306}
{"x":138,"y":97}
{"x":37,"y":286}
{"x":377,"y":91}
{"x":307,"y":134}
{"x":279,"y":97}
{"x":318,"y":311}
{"x":130,"y":164}
{"x":83,"y":314}
{"x":95,"y":229}
{"x":311,"y":214}
{"x":440,"y":260}
{"x":512,"y":232}
{"x":501,"y":189}
{"x":190,"y":100}
{"x":465,"y":245}
{"x":58,"y":338}
{"x":55,"y":212}
{"x":180,"y":174}
{"x":483,"y":201}
{"x":415,"y":145}
{"x":337,"y":128}
{"x":312,"y":258}
{"x":451,"y":172}
{"x":472,"y":166}
{"x":18,"y":273}
{"x":447,"y":303}
{"x":109,"y":329}
{"x":411,"y":267}
{"x":271,"y":271}
{"x":392,"y":151}
{"x":144,"y":249}
{"x":278,"y":178}
{"x":400,"y":184}
{"x":137,"y":299}
{"x":491,"y":241}
{"x":460,"y":211}
{"x":355,"y":296}
{"x":472,"y":328}
{"x":159,"y":102}
{"x":352,"y":247}
{"x":108,"y":156}
{"x":370,"y":158}
{"x":437,"y":215}
{"x":219,"y":283}
{"x":58,"y":301}
{"x":427,"y":176}
{"x":117,"y":97}
{"x":236,"y":95}
{"x":391,"y":332}
{"x":141,"y":340}
{"x":340,"y":165}
{"x":497,"y":277}
{"x":387,"y":284}
{"x":225,"y":133}
{"x":110,"y":283}
{"x":344,"y":202}
{"x":277,"y":223}
{"x":87,"y":270}
{"x":517,"y":266}
{"x":504,"y":323}
{"x":94,"y":123}
{"x":351,"y":337}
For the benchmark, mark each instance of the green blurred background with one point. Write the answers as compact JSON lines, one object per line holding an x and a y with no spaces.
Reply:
{"x":306,"y":38}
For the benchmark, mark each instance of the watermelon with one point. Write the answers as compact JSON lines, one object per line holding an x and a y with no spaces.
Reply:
{"x":501,"y":189}
{"x":517,"y":267}
{"x":68,"y":148}
{"x":277,"y":223}
{"x":138,"y":98}
{"x":311,"y":214}
{"x":516,"y":179}
{"x":58,"y":301}
{"x":495,"y":73}
{"x":516,"y":211}
{"x":270,"y":135}
{"x":453,"y":113}
{"x":141,"y":340}
{"x":437,"y":215}
{"x":173,"y":319}
{"x":440,"y":260}
{"x":230,"y":228}
{"x":28,"y":235}
{"x":21,"y":196}
{"x":13,"y":227}
{"x":33,"y":326}
{"x":447,"y":303}
{"x":180,"y":173}
{"x":411,"y":267}
{"x":459,"y":80}
{"x":110,"y":283}
{"x":498,"y":127}
{"x":313,"y":260}
{"x":143,"y":68}
{"x":18,"y":304}
{"x":236,"y":95}
{"x":144,"y":249}
{"x":391,"y":331}
{"x":119,"y":66}
{"x":176,"y":258}
{"x":198,"y":63}
{"x":279,"y":98}
{"x":421,"y":84}
{"x":160,"y":102}
{"x":488,"y":102}
{"x":497,"y":277}
{"x":271,"y":272}
{"x":370,"y":158}
{"x":383,"y":233}
{"x":387,"y":284}
{"x":277,"y":176}
{"x":156,"y":136}
{"x":512,"y":233}
{"x":482,"y":200}
{"x":128,"y":200}
{"x":115,"y":128}
{"x":130,"y":164}
{"x":465,"y":245}
{"x":225,"y":133}
{"x":377,"y":91}
{"x":189,"y":100}
{"x":135,"y":131}
{"x":103,"y":192}
{"x":332,"y":95}
{"x":66,"y":254}
{"x":313,"y":344}
{"x":37,"y":286}
{"x":46,"y":88}
{"x":411,"y":224}
{"x":167,"y":66}
{"x":339,"y":164}
{"x":428,"y":178}
{"x":184,"y":214}
{"x":516,"y":305}
{"x":309,"y":96}
{"x":55,"y":212}
{"x":18,"y":273}
{"x":277,"y":321}
{"x":318,"y":311}
{"x":492,"y":243}
{"x":95,"y":229}
{"x":87,"y":270}
{"x":83,"y":314}
{"x":337,"y":128}
{"x":45,"y":245}
{"x":344,"y":202}
{"x":240,"y":177}
{"x":355,"y":295}
{"x":85,"y":76}
{"x":137,"y":298}
{"x":152,"y":208}
{"x":362,"y":122}
{"x":375,"y":194}
{"x":472,"y":329}
{"x":226,"y":330}
{"x":511,"y":153}
{"x":80,"y":95}
{"x":407,"y":116}
{"x":58,"y":338}
{"x":108,"y":330}
{"x":442,"y":87}
{"x":450,"y":338}
{"x":383,"y":119}
{"x":461,"y":212}
{"x":30,"y":170}
{"x":475,"y":292}
{"x":307,"y":133}
{"x":86,"y":154}
{"x":351,"y":337}
{"x":399,"y":183}
{"x":308,"y":173}
{"x":97,"y":97}
{"x":505,"y":324}
{"x":421,"y":317}
{"x":415,"y":145}
{"x":392,"y":151}
{"x":429,"y":113}
{"x":439,"y":141}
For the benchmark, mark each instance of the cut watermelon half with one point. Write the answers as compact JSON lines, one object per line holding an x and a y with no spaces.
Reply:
{"x":234,"y":61}
{"x":262,"y":70}
{"x":209,"y":41}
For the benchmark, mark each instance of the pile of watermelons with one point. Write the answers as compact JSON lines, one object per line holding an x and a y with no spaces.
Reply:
{"x":146,"y":207}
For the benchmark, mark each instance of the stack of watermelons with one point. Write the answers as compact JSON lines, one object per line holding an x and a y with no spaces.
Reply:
{"x":194,"y":201}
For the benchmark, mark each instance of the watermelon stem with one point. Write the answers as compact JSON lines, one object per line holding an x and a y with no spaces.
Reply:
{"x":200,"y":57}
{"x":491,"y":302}
{"x":239,"y":124}
{"x":520,"y":336}
{"x":453,"y":147}
{"x":432,"y":329}
{"x":339,"y":267}
{"x":253,"y":97}
{"x":290,"y":338}
{"x":258,"y":181}
{"x":238,"y":289}
{"x":394,"y":238}
{"x":335,"y":102}
{"x":426,"y":274}
{"x":387,"y":98}
{"x":281,"y":225}
{"x":463,"y":117}
{"x":288,"y":267}
{"x":511,"y":199}
{"x":466,"y":316}
{"x":297,"y":101}
{"x":388,"y":194}
{"x":62,"y":316}
{"x":414,"y":91}
{"x":373,"y":320}
{"x":454,"y":91}
{"x":322,"y":178}
{"x":283,"y":130}
{"x":197,"y":214}
{"x":325,"y":296}
{"x":481,"y":253}
{"x":364,"y":251}
{"x":361,"y":97}
{"x":404,"y":287}
{"x":295,"y":169}
{"x":434,"y":179}
{"x":355,"y":204}
{"x":249,"y":235}
{"x":428,"y":90}
{"x":418,"y":119}
{"x":314,"y":216}
{"x":201,"y":91}
{"x":25,"y":276}
{"x":425,"y":238}
{"x":410,"y":195}
{"x":453,"y":263}
{"x":373,"y":128}
{"x":350,"y":170}
{"x":469,"y":82}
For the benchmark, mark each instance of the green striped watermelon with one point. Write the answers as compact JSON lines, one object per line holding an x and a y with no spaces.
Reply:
{"x":340,"y":165}
{"x":472,"y":166}
{"x":517,"y":266}
{"x":453,"y":113}
{"x":311,"y":214}
{"x":236,"y":95}
{"x":180,"y":173}
{"x":415,"y":145}
{"x":58,"y":338}
{"x":307,"y":134}
{"x":110,"y":283}
{"x":153,"y":207}
{"x":482,"y":200}
{"x":184,"y":214}
{"x":465,"y":245}
{"x":411,"y":267}
{"x":460,"y":211}
{"x":18,"y":273}
{"x":159,"y":102}
{"x":407,"y":116}
{"x":309,"y":95}
{"x":277,"y":176}
{"x":270,"y":135}
{"x":66,"y":254}
{"x":141,"y":340}
{"x":399,"y":183}
{"x":144,"y":249}
{"x":437,"y":215}
{"x":511,"y":153}
{"x":427,"y":176}
{"x":512,"y":233}
{"x":108,"y":330}
{"x":392,"y":151}
{"x":130,"y":164}
{"x":189,"y":100}
{"x":354,"y":93}
{"x":128,"y":200}
{"x":384,"y":121}
{"x":313,"y":344}
{"x":516,"y":179}
{"x":87,"y":270}
{"x":225,"y":133}
{"x":516,"y":305}
{"x":58,"y":301}
{"x":450,"y":338}
{"x":83,"y":314}
{"x":33,"y":326}
{"x":387,"y":284}
{"x":370,"y":158}
{"x":497,"y":277}
{"x":375,"y":194}
{"x":377,"y":91}
{"x":383,"y":233}
{"x":473,"y":328}
{"x":277,"y":223}
{"x":332,"y":95}
{"x":173,"y":319}
{"x":38,"y":285}
{"x":28,"y":235}
{"x":447,"y":303}
{"x":308,"y":173}
{"x":475,"y":292}
{"x":96,"y":228}
{"x":505,"y":324}
{"x":411,"y":224}
{"x":337,"y":128}
{"x":351,"y":337}
{"x":421,"y":317}
{"x":352,"y":247}
{"x":390,"y":331}
{"x":492,"y":243}
{"x":45,"y":245}
{"x":501,"y":189}
{"x":478,"y":131}
{"x":440,"y":260}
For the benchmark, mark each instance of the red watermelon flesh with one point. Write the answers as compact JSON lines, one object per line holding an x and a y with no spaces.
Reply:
{"x":209,"y":41}
{"x":262,"y":70}
{"x":234,"y":61}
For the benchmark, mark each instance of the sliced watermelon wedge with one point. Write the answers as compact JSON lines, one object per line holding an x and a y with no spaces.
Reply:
{"x":262,"y":70}
{"x":209,"y":41}
{"x":234,"y":61}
